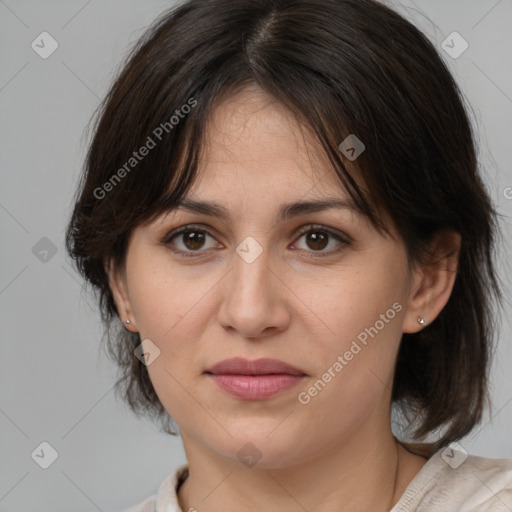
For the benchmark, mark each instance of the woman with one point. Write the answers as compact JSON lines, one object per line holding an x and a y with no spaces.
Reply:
{"x":281,"y":208}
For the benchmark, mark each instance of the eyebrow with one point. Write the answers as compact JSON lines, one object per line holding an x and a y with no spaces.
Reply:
{"x":286,"y":211}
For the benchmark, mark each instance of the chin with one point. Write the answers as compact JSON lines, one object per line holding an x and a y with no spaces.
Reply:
{"x":262,"y":447}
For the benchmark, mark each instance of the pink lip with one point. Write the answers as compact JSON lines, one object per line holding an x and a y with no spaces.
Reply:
{"x":254,"y":380}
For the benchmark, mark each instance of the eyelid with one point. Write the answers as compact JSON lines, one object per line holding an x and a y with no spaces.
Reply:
{"x":319,"y":227}
{"x":166,"y":239}
{"x":343,"y":240}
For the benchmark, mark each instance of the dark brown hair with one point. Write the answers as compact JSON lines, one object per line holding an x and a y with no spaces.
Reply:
{"x":343,"y":67}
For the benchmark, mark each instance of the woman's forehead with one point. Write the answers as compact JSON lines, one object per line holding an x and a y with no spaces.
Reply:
{"x":251,"y":135}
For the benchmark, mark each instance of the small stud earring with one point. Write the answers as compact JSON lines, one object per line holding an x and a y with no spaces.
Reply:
{"x":421,"y":320}
{"x":127,"y":322}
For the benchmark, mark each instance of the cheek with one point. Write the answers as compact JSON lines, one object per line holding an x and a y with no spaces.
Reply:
{"x":354,"y":363}
{"x":344,"y":307}
{"x":361,"y":314}
{"x":155,"y":308}
{"x":162,"y":298}
{"x":170,"y":310}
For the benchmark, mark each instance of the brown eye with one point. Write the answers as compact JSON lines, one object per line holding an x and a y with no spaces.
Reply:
{"x":193,"y":240}
{"x":317,"y":239}
{"x":189,"y":240}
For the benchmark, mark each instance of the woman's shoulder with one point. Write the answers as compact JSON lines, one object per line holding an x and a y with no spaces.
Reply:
{"x":456,"y":481}
{"x":167,"y":497}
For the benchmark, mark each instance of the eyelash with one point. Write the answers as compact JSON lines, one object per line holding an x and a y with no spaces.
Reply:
{"x":167,"y":239}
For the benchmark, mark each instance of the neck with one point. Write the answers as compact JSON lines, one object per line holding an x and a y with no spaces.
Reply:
{"x":357,"y":475}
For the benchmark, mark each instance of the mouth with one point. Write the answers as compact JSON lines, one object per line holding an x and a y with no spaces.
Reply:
{"x":263,"y":366}
{"x":255,"y":380}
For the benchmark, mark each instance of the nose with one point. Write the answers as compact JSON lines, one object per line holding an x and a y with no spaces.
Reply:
{"x":254,"y":298}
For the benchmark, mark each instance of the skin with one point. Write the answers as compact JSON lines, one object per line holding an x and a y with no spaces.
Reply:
{"x":337,"y":452}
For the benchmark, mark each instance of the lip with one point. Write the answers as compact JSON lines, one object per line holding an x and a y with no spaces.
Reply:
{"x":262,"y":366}
{"x":254,"y":380}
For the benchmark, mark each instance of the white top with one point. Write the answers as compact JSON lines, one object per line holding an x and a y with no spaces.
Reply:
{"x":450,"y":481}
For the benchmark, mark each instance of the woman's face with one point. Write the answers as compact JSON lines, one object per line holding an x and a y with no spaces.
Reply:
{"x":317,"y":288}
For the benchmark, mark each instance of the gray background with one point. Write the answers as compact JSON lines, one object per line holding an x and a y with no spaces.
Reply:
{"x":56,"y":384}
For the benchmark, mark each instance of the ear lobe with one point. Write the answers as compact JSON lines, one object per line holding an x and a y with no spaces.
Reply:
{"x":435,"y":281}
{"x":117,"y":283}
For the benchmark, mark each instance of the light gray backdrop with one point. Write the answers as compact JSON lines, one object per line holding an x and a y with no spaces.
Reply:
{"x":55,"y":382}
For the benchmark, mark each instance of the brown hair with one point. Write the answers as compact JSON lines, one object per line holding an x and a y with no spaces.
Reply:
{"x":343,"y":67}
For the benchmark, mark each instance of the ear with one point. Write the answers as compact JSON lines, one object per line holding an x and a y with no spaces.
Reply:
{"x":433,"y":282}
{"x":118,"y":287}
